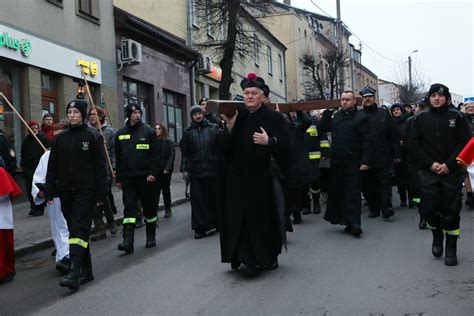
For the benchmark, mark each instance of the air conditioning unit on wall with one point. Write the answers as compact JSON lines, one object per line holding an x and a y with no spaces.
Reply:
{"x":204,"y":64}
{"x":131,"y":52}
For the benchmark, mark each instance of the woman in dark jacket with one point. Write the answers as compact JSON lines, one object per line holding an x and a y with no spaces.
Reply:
{"x":31,"y":153}
{"x":167,"y":155}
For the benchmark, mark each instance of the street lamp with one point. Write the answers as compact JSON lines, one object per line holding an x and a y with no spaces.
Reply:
{"x":409,"y":67}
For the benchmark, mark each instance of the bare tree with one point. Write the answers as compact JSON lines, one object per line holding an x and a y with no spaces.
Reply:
{"x":335,"y":59}
{"x":227,"y":33}
{"x":410,"y":90}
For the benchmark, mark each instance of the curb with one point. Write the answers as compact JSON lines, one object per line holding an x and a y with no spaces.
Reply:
{"x":46,"y":243}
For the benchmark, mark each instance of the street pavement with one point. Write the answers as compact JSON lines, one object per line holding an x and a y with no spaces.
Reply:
{"x":389,"y":271}
{"x":34,"y":233}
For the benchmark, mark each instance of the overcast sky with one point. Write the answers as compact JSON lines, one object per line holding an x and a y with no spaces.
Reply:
{"x":441,"y":31}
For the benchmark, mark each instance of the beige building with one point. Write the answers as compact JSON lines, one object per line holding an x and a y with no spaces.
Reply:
{"x":304,"y":33}
{"x":389,"y":92}
{"x":362,"y":76}
{"x":265,"y":57}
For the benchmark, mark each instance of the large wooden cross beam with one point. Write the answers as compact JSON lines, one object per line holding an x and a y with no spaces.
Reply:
{"x":228,"y":107}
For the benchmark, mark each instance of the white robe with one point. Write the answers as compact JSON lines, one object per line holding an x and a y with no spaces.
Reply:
{"x":6,"y":212}
{"x":59,"y":230}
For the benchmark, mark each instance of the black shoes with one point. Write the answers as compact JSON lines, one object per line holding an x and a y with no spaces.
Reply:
{"x":422,"y":224}
{"x":64,"y":265}
{"x":199,"y":234}
{"x":451,"y":259}
{"x":305,"y":211}
{"x":113,"y":227}
{"x":387,"y":213}
{"x":248,"y":269}
{"x":34,"y":212}
{"x":374,"y":214}
{"x":356,"y":231}
{"x":71,"y":280}
{"x":168,"y":212}
{"x":297,"y":217}
{"x":150,"y":235}
{"x":437,"y":246}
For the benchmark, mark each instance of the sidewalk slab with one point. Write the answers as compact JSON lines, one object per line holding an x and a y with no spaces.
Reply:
{"x":32,"y":234}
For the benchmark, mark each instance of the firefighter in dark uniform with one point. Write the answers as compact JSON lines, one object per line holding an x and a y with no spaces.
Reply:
{"x":317,"y":145}
{"x":376,"y":183}
{"x":77,"y":174}
{"x":436,"y":139}
{"x":137,"y":166}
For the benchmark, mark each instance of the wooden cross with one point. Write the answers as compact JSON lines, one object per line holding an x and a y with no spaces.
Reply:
{"x":228,"y":107}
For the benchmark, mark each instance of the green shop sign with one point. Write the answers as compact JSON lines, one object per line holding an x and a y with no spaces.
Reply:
{"x":23,"y":45}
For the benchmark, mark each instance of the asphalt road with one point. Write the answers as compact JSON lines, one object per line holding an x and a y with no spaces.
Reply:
{"x":389,"y":271}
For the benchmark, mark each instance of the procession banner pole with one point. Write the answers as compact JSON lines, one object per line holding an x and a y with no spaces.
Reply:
{"x":98,"y":122}
{"x":23,"y":121}
{"x":106,"y":109}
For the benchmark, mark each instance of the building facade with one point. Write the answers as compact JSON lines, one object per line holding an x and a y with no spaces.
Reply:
{"x":44,"y":51}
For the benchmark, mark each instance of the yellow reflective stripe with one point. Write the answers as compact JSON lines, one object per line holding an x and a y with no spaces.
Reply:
{"x":430,"y":227}
{"x":324,"y":144}
{"x":78,"y":241}
{"x":416,"y":200}
{"x":312,"y":130}
{"x":451,"y":232}
{"x":129,"y":220}
{"x":151,"y":220}
{"x":314,"y":191}
{"x":314,"y":155}
{"x":143,"y":146}
{"x":122,"y":137}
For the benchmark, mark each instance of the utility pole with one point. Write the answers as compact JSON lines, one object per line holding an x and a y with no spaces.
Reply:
{"x":339,"y":47}
{"x":409,"y":72}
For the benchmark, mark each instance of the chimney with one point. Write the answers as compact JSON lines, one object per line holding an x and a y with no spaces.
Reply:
{"x":287,"y":2}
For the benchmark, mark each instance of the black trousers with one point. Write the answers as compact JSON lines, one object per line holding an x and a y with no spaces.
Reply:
{"x":78,"y":207}
{"x":441,"y":200}
{"x":138,"y":189}
{"x":203,"y":203}
{"x":28,"y":185}
{"x":163,"y":185}
{"x":344,"y":203}
{"x":377,"y":189}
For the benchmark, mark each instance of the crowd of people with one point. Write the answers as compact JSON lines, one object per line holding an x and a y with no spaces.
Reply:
{"x":251,"y":174}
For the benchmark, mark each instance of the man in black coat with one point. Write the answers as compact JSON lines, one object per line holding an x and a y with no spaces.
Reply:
{"x":199,"y":157}
{"x":31,"y":153}
{"x":376,"y":183}
{"x":7,"y":154}
{"x":350,"y":154}
{"x":436,"y":139}
{"x":249,"y":229}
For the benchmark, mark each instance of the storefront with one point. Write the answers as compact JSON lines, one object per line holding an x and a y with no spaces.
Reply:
{"x":38,"y":76}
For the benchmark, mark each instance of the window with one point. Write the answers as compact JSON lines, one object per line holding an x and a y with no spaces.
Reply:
{"x":88,"y":9}
{"x":173,"y":115}
{"x":269,"y":60}
{"x":135,"y":92}
{"x":49,"y":95}
{"x":59,"y":3}
{"x":280,"y":67}
{"x":209,"y":18}
{"x":257,"y":48}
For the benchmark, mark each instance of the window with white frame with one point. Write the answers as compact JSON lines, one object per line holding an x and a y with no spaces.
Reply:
{"x":269,"y":60}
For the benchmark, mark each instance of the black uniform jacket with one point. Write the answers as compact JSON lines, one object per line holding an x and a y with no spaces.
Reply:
{"x":249,"y":197}
{"x":351,"y":138}
{"x":167,"y":153}
{"x":77,"y":162}
{"x":136,"y":151}
{"x":386,"y":142}
{"x":199,"y":149}
{"x":438,"y":135}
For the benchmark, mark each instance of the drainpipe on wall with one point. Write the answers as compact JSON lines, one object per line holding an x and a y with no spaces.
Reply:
{"x":189,"y":42}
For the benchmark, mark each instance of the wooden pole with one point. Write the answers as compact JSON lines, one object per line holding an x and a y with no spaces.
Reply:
{"x":23,"y":121}
{"x":106,"y":110}
{"x":100,"y":129}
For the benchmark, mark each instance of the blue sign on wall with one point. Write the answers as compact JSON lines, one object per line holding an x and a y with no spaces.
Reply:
{"x":468,"y":99}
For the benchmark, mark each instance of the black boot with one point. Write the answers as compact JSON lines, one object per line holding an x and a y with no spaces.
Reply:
{"x":99,"y":228}
{"x":150,"y":235}
{"x":168,"y":212}
{"x":71,"y":280}
{"x":127,"y":243}
{"x":422,"y":224}
{"x":437,"y":247}
{"x":86,"y":271}
{"x":451,"y":259}
{"x":470,"y":200}
{"x":316,"y":205}
{"x":297,"y":217}
{"x":63,"y":265}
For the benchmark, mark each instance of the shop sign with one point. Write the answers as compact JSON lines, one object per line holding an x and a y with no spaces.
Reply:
{"x":90,"y":68}
{"x":22,"y":45}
